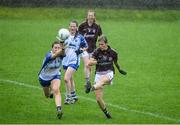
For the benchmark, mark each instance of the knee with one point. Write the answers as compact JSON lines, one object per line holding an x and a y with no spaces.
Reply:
{"x":56,"y":91}
{"x":66,"y":79}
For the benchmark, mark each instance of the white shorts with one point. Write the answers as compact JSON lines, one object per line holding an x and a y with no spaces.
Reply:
{"x":108,"y":74}
{"x":86,"y":54}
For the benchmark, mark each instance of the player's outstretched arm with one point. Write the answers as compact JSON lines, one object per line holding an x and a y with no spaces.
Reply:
{"x":119,"y":69}
{"x":60,"y":52}
{"x":92,"y":62}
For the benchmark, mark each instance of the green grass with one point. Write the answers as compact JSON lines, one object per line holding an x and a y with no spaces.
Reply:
{"x":148,"y":44}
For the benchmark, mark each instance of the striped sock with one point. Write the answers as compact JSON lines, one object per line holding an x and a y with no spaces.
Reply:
{"x":105,"y":110}
{"x":73,"y":94}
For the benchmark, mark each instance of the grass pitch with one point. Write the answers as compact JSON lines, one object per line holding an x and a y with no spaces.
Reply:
{"x":148,"y":44}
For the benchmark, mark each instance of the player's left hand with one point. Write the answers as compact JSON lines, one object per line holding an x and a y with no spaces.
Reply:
{"x":79,"y":51}
{"x":122,"y":72}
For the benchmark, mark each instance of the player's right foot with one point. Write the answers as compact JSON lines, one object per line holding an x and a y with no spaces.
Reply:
{"x":75,"y":99}
{"x":88,"y":87}
{"x":108,"y":116}
{"x":67,"y":101}
{"x":59,"y":114}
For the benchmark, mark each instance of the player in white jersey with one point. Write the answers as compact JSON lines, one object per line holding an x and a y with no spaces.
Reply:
{"x":49,"y":75}
{"x":75,"y":45}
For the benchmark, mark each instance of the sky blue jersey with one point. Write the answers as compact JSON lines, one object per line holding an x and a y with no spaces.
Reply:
{"x":72,"y":51}
{"x":50,"y":67}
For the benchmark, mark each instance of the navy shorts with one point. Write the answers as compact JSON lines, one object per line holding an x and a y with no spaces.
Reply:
{"x":45,"y":83}
{"x":74,"y":66}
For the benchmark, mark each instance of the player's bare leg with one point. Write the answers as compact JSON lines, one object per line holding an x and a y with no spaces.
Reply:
{"x":55,"y":85}
{"x":98,"y":87}
{"x":87,"y":71}
{"x":47,"y":91}
{"x":101,"y":103}
{"x":73,"y":91}
{"x":67,"y":78}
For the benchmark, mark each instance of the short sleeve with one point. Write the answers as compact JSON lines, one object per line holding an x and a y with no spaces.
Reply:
{"x":83,"y":42}
{"x":80,"y":29}
{"x":48,"y":57}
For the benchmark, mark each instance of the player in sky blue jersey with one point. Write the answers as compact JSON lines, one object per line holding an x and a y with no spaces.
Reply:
{"x":49,"y":75}
{"x":75,"y":45}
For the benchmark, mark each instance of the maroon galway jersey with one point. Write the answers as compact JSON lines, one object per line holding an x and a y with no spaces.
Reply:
{"x":91,"y":34}
{"x":105,"y":59}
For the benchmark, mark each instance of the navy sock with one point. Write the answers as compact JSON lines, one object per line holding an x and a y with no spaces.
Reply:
{"x":105,"y":110}
{"x":73,"y":94}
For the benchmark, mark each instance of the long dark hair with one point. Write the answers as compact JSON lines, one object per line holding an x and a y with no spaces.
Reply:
{"x":55,"y":42}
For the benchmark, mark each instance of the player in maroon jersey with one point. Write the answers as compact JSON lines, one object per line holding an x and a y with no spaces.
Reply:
{"x":90,"y":30}
{"x":104,"y":57}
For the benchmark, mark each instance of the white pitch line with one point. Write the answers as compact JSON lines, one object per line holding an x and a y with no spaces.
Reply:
{"x":93,"y":100}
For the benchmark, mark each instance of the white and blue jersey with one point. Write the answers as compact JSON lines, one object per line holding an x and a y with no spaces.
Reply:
{"x":51,"y":68}
{"x":72,"y":51}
